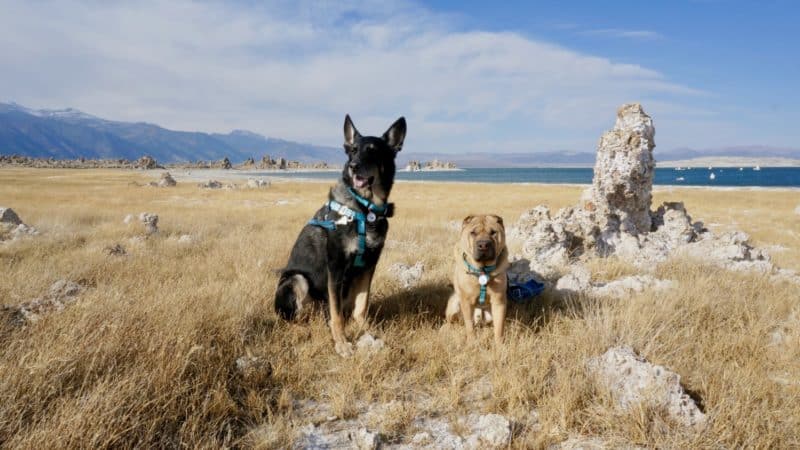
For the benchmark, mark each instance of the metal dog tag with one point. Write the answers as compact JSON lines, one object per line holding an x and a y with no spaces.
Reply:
{"x":483,"y":280}
{"x":371,"y":217}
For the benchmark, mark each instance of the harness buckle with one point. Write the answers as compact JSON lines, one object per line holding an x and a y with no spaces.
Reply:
{"x":343,"y":220}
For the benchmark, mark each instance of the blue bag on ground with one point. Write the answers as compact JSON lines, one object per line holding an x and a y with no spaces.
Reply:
{"x":524,"y":292}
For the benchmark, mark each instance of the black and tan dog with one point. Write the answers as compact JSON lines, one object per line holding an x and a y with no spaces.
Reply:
{"x":335,"y":255}
{"x":479,"y":273}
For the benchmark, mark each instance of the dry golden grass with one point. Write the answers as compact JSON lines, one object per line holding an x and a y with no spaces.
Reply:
{"x":146,"y":356}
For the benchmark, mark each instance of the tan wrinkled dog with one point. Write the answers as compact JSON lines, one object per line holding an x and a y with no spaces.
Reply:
{"x":481,"y":258}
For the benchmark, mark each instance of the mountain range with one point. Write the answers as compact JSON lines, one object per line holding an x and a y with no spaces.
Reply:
{"x":69,"y":134}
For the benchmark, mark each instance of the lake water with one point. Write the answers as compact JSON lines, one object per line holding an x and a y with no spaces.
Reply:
{"x":728,"y":176}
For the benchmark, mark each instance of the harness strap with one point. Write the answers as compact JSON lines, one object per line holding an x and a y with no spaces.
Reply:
{"x":350,"y":215}
{"x":484,"y":275}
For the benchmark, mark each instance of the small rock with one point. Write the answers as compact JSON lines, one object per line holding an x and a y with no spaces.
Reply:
{"x":60,"y":294}
{"x":250,"y":364}
{"x":211,"y":184}
{"x":8,"y":216}
{"x":150,"y":222}
{"x":578,"y":281}
{"x":369,"y":343}
{"x":186,"y":239}
{"x":12,"y":227}
{"x":115,"y":250}
{"x":633,"y":381}
{"x":254,"y":183}
{"x":367,"y":440}
{"x":282,"y":202}
{"x":421,"y":438}
{"x":408,"y":276}
{"x":128,"y":219}
{"x":146,"y":162}
{"x":626,"y":286}
{"x":493,"y":430}
{"x":166,"y":180}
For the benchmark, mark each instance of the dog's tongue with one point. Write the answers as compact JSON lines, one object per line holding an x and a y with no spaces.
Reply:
{"x":359,"y":181}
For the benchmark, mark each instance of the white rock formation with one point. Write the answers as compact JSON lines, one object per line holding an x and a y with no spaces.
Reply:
{"x":623,"y":173}
{"x":632,"y":381}
{"x":369,"y":343}
{"x":211,"y":184}
{"x":128,"y":219}
{"x":150,"y":222}
{"x":61,"y":294}
{"x":166,"y":180}
{"x":12,"y":227}
{"x":255,"y":183}
{"x":8,"y":216}
{"x":408,"y":276}
{"x":614,"y":216}
{"x":626,"y":286}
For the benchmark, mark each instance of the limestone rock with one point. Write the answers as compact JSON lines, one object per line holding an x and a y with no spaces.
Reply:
{"x":226,"y":164}
{"x":150,"y":222}
{"x":255,"y":183}
{"x":61,"y":294}
{"x":166,"y":180}
{"x":115,"y":250}
{"x":408,"y":276}
{"x":128,"y":219}
{"x":342,"y":434}
{"x":614,"y":216}
{"x":623,"y":172}
{"x":633,"y":381}
{"x":626,"y":286}
{"x":369,"y":343}
{"x":578,"y":281}
{"x":492,"y":431}
{"x":186,"y":239}
{"x":211,"y":184}
{"x":8,"y":216}
{"x":146,"y":162}
{"x":12,"y":227}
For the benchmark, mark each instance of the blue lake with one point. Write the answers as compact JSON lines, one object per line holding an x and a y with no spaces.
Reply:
{"x":727,"y":176}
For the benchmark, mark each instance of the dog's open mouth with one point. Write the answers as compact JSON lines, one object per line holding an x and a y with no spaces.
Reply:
{"x":362,"y":182}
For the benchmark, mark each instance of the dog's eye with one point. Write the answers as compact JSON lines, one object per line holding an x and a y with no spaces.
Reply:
{"x":493,"y":232}
{"x":474,"y":233}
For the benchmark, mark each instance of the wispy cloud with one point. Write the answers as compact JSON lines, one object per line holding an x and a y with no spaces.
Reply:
{"x":293,"y":69}
{"x":624,"y":34}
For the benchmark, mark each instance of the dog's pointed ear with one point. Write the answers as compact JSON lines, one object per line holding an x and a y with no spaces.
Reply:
{"x":350,"y":132}
{"x":396,"y":134}
{"x":467,"y":220}
{"x":499,"y":220}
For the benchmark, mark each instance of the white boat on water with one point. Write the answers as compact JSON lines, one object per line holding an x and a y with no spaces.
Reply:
{"x":741,"y":169}
{"x":710,"y":168}
{"x":679,"y":179}
{"x":757,"y":168}
{"x":712,"y":176}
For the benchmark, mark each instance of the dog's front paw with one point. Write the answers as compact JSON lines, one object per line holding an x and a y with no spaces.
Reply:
{"x":344,"y":349}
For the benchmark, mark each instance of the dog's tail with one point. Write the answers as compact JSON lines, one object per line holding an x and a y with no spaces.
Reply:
{"x":291,"y":297}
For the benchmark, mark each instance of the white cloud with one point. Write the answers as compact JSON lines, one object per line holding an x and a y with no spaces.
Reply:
{"x":625,"y":34}
{"x":292,"y":70}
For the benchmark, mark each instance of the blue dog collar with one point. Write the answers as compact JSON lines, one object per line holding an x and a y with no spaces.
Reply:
{"x":484,"y":276}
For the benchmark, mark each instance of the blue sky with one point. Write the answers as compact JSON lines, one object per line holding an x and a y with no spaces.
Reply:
{"x":468,"y":76}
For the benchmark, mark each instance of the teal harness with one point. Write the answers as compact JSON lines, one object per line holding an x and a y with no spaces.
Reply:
{"x":484,"y":275}
{"x":348,"y":215}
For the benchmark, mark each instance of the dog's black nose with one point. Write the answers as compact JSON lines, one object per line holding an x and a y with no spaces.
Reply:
{"x":354,"y":165}
{"x":484,"y":244}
